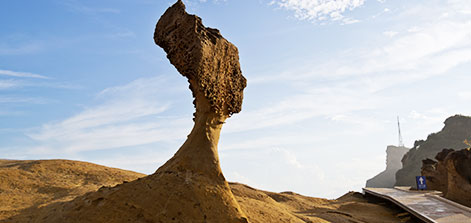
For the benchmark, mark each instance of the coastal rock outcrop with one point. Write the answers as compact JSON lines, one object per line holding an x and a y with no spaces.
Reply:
{"x":26,"y":184}
{"x":387,"y":178}
{"x":451,"y":174}
{"x":190,"y":187}
{"x":456,"y":130}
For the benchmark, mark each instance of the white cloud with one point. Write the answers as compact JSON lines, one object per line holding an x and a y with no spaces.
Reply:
{"x":313,"y":102}
{"x":143,"y":163}
{"x":424,"y":51}
{"x":21,"y":74}
{"x":128,"y":116}
{"x":7,"y":84}
{"x":320,"y":10}
{"x":465,"y":95}
{"x":435,"y":116}
{"x":390,"y":33}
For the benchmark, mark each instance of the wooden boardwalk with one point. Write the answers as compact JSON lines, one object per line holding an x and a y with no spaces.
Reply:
{"x":425,"y":205}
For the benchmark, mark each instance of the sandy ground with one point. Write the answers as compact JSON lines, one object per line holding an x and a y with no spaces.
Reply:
{"x":27,"y":185}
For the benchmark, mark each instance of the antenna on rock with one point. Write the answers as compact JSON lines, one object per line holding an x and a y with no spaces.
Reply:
{"x":401,"y":143}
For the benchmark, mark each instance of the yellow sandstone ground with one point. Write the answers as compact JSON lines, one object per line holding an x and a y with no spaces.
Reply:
{"x":27,"y":185}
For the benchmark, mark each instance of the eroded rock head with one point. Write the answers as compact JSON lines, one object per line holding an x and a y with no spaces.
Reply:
{"x":210,"y":62}
{"x":462,"y":162}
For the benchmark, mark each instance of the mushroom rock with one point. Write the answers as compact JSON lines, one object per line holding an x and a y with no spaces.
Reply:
{"x":190,"y":187}
{"x":211,"y":65}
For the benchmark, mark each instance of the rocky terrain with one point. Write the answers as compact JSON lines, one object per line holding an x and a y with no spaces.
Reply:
{"x":387,"y":178}
{"x":38,"y":183}
{"x":28,"y":186}
{"x":457,"y":129}
{"x":451,"y":174}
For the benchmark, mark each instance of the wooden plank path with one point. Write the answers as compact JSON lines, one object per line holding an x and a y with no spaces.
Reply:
{"x":425,"y":205}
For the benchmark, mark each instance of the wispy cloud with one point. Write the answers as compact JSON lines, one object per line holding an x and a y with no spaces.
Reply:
{"x":21,"y":74}
{"x":8,"y":84}
{"x":312,"y":102}
{"x":415,"y":53}
{"x":320,"y":10}
{"x":147,"y":163}
{"x":18,"y":79}
{"x":127,"y":116}
{"x":390,"y":33}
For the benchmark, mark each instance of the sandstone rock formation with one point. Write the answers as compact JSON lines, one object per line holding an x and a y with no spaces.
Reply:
{"x":457,"y":128}
{"x":436,"y":175}
{"x":387,"y":178}
{"x":190,"y":187}
{"x":451,"y":174}
{"x":202,"y":55}
{"x":26,"y":184}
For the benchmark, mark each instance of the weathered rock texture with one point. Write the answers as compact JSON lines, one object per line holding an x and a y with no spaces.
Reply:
{"x":387,"y":178}
{"x":457,"y":128}
{"x":436,"y":175}
{"x":451,"y":174}
{"x":190,"y":187}
{"x":201,"y":54}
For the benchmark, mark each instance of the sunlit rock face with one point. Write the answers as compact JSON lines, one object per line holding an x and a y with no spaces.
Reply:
{"x":457,"y":129}
{"x":436,"y":175}
{"x":201,"y":54}
{"x":387,"y":178}
{"x":451,"y":174}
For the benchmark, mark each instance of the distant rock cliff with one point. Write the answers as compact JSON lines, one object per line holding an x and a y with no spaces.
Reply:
{"x":451,"y":174}
{"x":457,"y":129}
{"x":387,"y":178}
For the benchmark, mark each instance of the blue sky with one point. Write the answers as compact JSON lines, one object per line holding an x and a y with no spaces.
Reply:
{"x":326,"y":79}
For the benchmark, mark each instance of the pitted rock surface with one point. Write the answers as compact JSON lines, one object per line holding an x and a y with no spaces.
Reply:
{"x":451,"y":174}
{"x":210,"y":62}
